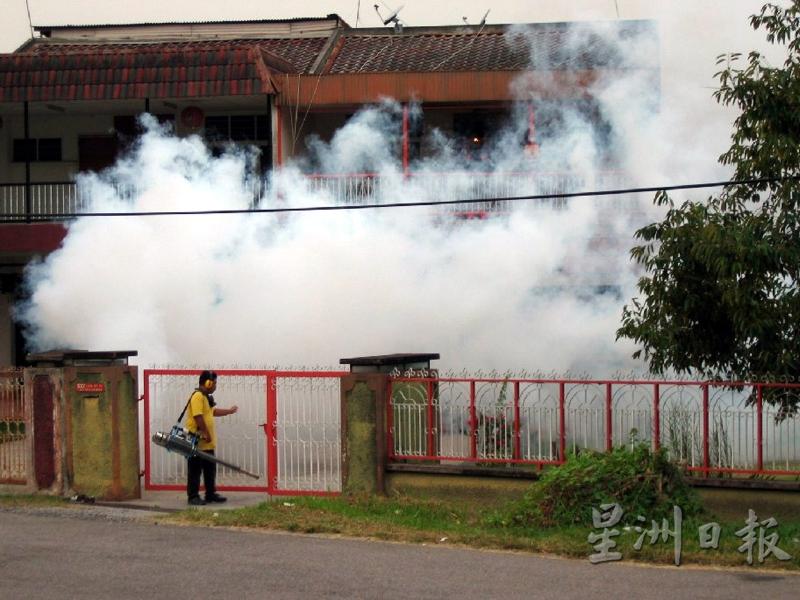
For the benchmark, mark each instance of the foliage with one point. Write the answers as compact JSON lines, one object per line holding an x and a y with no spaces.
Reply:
{"x":495,"y":429}
{"x":12,"y":430}
{"x":643,"y":482}
{"x":497,"y":435}
{"x":719,"y":297}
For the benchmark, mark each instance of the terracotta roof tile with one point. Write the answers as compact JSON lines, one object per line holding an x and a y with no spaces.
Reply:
{"x":48,"y":71}
{"x":555,"y":46}
{"x":424,"y":53}
{"x":123,"y":71}
{"x":300,"y":53}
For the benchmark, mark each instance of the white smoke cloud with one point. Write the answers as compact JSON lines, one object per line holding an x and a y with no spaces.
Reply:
{"x":368,"y":140}
{"x":308,"y":289}
{"x":537,"y":289}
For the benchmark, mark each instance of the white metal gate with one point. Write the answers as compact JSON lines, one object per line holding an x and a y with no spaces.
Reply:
{"x":287,"y":429}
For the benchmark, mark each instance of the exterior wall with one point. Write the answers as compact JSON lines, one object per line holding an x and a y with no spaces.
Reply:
{"x":66,"y":126}
{"x":463,"y":87}
{"x":76,"y":122}
{"x":496,"y":490}
{"x":6,"y":331}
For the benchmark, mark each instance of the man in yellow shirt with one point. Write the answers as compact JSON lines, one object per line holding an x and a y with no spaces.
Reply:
{"x":200,"y":421}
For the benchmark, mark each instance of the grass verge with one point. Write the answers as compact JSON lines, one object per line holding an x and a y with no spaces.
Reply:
{"x":412,"y":519}
{"x":23,"y":500}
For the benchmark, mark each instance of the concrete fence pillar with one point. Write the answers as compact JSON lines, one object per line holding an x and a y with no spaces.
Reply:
{"x":365,"y":401}
{"x":84,"y":437}
{"x":364,"y":432}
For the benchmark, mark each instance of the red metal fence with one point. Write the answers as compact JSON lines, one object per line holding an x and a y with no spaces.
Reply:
{"x":707,"y":427}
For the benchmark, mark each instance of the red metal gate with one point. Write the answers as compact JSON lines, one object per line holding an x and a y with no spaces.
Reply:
{"x":15,"y":429}
{"x":287,"y":429}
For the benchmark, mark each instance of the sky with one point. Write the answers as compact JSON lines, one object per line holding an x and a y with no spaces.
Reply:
{"x":485,"y":295}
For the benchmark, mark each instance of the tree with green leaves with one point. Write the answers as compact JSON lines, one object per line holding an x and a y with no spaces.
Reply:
{"x":719,"y":295}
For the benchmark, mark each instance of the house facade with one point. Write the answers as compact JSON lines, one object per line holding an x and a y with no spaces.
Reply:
{"x":70,"y":98}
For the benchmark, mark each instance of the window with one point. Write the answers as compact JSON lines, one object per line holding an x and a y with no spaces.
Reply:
{"x":240,"y":129}
{"x":237,"y":128}
{"x":265,"y":159}
{"x":217,"y":129}
{"x":24,"y":150}
{"x":243,"y":128}
{"x":416,"y":130}
{"x":262,"y":127}
{"x":49,"y":149}
{"x":37,"y":150}
{"x":127,"y":126}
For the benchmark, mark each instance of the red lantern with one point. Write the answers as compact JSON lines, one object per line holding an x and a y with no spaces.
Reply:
{"x":192,"y":117}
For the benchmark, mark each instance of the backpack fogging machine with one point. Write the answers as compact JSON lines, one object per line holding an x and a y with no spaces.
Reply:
{"x":183,"y":442}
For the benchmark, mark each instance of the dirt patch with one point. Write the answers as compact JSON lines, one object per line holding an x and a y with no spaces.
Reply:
{"x":734,"y":504}
{"x":485,"y":491}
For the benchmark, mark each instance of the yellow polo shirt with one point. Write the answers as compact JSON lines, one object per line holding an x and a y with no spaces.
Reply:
{"x":198,"y":405}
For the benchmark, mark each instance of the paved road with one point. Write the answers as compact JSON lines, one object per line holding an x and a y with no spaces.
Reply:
{"x":58,"y":553}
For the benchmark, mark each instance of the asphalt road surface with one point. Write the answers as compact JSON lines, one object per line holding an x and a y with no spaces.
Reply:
{"x":58,"y":553}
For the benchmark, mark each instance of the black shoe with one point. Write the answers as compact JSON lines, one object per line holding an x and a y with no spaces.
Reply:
{"x":216,"y":498}
{"x":197,"y":501}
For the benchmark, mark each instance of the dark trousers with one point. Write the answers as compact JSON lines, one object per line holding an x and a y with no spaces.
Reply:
{"x":197,"y":467}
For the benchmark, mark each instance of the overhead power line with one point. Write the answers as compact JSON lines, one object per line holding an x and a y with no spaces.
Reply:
{"x":30,"y":22}
{"x":338,"y":207}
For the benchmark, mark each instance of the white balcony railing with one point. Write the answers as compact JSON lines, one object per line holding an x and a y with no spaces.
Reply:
{"x":46,"y":199}
{"x":59,"y":201}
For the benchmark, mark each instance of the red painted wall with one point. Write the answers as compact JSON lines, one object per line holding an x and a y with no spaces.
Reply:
{"x":31,"y":238}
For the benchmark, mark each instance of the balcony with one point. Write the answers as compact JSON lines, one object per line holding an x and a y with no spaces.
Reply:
{"x":57,"y":201}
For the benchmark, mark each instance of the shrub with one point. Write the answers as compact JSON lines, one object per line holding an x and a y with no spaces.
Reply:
{"x":11,"y":430}
{"x":644,"y":483}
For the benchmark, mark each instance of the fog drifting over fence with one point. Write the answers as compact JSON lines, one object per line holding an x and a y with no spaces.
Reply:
{"x":516,"y":292}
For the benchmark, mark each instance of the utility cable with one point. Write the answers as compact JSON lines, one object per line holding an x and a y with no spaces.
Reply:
{"x":30,"y":22}
{"x":318,"y":208}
